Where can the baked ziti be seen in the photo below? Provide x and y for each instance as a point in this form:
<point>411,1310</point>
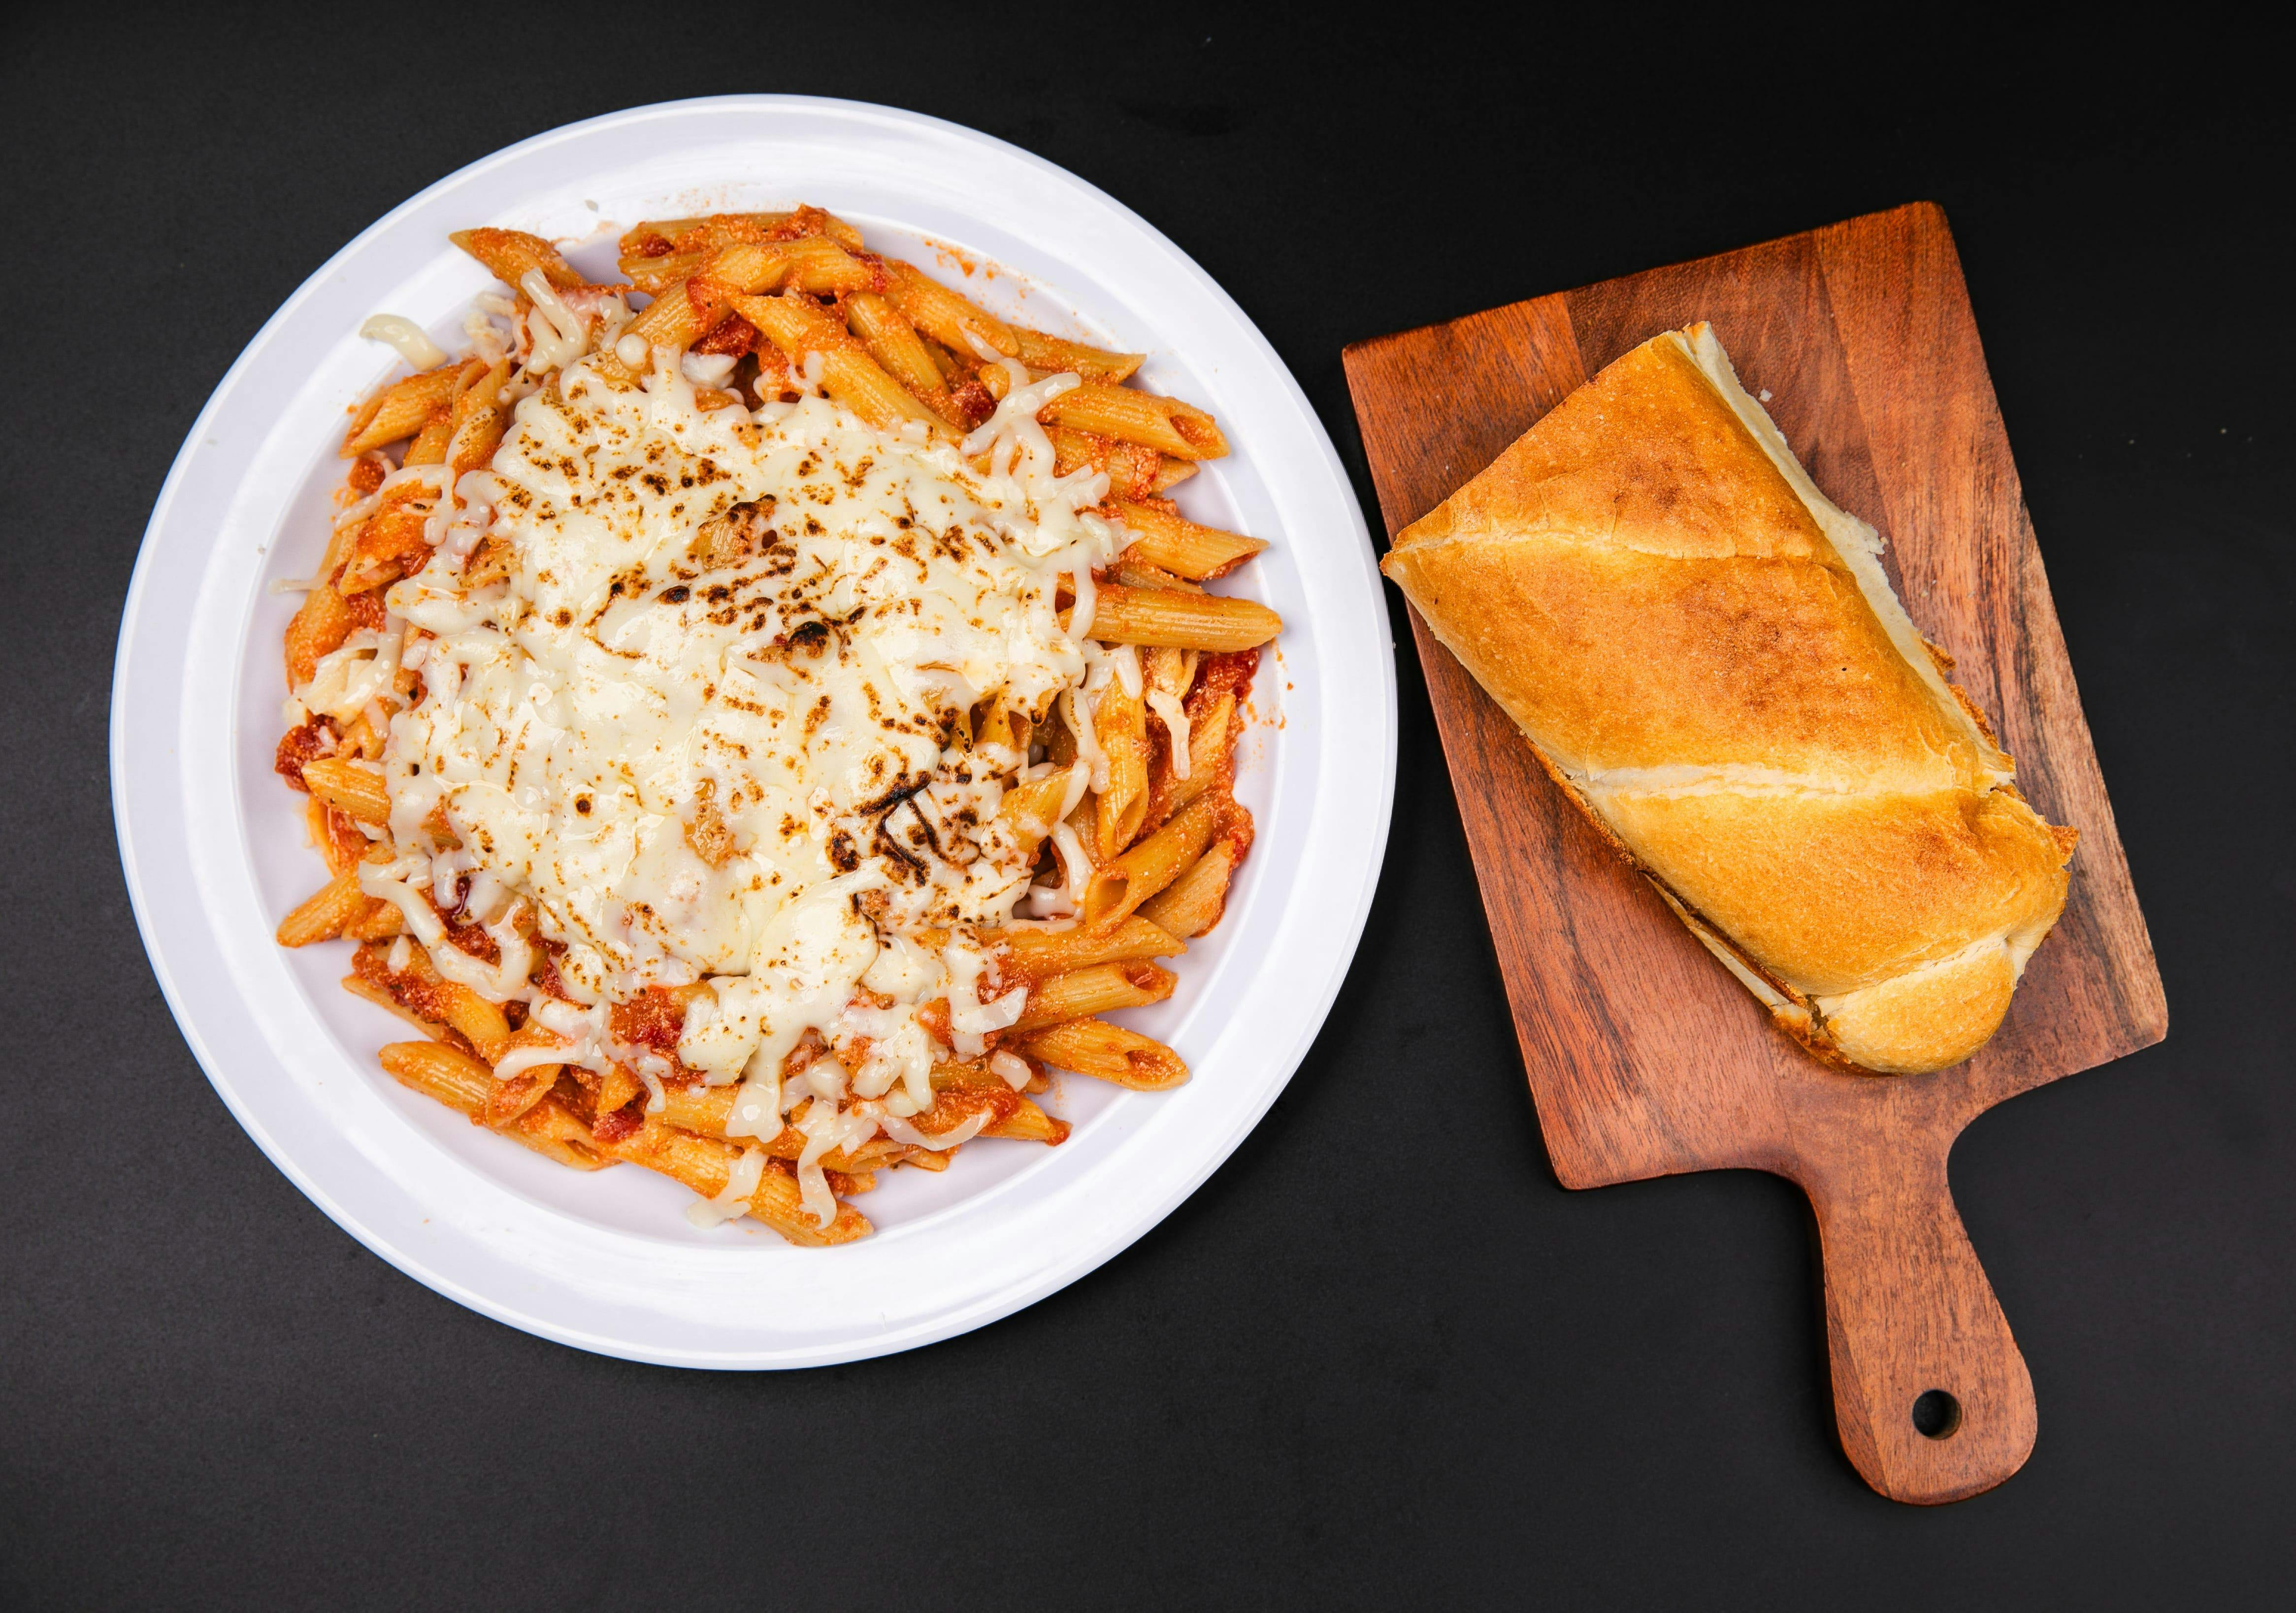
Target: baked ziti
<point>761,715</point>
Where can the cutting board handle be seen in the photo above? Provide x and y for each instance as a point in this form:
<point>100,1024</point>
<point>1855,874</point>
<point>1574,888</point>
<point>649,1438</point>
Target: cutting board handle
<point>1932,1396</point>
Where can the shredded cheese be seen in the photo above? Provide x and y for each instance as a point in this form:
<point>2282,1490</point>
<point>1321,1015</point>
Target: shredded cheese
<point>733,1198</point>
<point>701,732</point>
<point>1167,706</point>
<point>407,337</point>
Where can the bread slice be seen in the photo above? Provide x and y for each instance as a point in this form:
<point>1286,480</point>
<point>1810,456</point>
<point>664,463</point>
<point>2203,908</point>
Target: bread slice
<point>1707,656</point>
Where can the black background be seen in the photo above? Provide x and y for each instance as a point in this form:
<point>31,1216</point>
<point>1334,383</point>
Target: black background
<point>1381,1358</point>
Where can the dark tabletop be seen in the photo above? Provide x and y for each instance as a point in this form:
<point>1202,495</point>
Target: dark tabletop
<point>1380,1359</point>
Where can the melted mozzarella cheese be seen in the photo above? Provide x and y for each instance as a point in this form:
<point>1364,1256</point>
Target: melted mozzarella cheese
<point>408,338</point>
<point>711,728</point>
<point>1173,716</point>
<point>733,1198</point>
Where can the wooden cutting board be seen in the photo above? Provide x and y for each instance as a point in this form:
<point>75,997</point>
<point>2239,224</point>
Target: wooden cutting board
<point>1644,1057</point>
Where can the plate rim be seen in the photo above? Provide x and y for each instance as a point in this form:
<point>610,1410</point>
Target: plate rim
<point>134,633</point>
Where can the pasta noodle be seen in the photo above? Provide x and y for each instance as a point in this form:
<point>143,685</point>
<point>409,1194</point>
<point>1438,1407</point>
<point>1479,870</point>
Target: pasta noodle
<point>1164,540</point>
<point>1181,620</point>
<point>940,718</point>
<point>1109,1052</point>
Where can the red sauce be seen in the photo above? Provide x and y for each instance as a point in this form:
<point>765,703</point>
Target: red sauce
<point>973,402</point>
<point>467,936</point>
<point>547,977</point>
<point>653,1020</point>
<point>298,746</point>
<point>736,335</point>
<point>367,609</point>
<point>934,1017</point>
<point>426,999</point>
<point>1225,672</point>
<point>1236,829</point>
<point>623,1123</point>
<point>879,282</point>
<point>343,836</point>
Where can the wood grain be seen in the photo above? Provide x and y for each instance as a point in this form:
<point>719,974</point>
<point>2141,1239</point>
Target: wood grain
<point>1644,1057</point>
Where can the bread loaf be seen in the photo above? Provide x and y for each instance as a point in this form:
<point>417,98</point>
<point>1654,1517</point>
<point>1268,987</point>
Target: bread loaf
<point>1706,655</point>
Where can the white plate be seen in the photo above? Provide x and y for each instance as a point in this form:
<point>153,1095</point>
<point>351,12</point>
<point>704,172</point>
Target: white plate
<point>214,849</point>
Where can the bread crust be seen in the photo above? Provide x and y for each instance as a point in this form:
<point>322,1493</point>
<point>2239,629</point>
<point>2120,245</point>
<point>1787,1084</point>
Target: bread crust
<point>1704,653</point>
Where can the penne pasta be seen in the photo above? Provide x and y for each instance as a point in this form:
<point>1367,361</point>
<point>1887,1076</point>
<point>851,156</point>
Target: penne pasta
<point>1129,573</point>
<point>1169,543</point>
<point>322,916</point>
<point>699,1108</point>
<point>351,788</point>
<point>664,235</point>
<point>1026,1124</point>
<point>400,409</point>
<point>322,623</point>
<point>448,1075</point>
<point>528,1084</point>
<point>1211,744</point>
<point>429,445</point>
<point>679,317</point>
<point>479,420</point>
<point>554,1132</point>
<point>382,999</point>
<point>707,1110</point>
<point>1003,727</point>
<point>1084,835</point>
<point>510,255</point>
<point>417,986</point>
<point>894,343</point>
<point>392,538</point>
<point>1169,473</point>
<point>482,1023</point>
<point>1169,671</point>
<point>489,563</point>
<point>1116,888</point>
<point>515,1097</point>
<point>821,267</point>
<point>1060,742</point>
<point>382,922</point>
<point>1038,954</point>
<point>954,371</point>
<point>705,1165</point>
<point>1192,904</point>
<point>848,373</point>
<point>1166,424</point>
<point>964,1092</point>
<point>688,309</point>
<point>1119,721</point>
<point>1056,356</point>
<point>1097,988</point>
<point>1181,621</point>
<point>818,266</point>
<point>949,319</point>
<point>655,273</point>
<point>337,839</point>
<point>617,1089</point>
<point>1108,1053</point>
<point>363,737</point>
<point>1132,469</point>
<point>1033,808</point>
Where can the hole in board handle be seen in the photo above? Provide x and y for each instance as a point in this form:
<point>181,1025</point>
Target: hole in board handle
<point>1937,1414</point>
